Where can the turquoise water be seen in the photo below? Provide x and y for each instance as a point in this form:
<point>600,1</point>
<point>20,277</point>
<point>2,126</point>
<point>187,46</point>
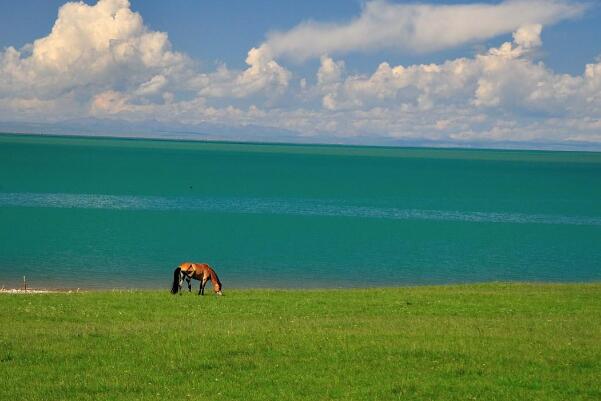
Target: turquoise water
<point>83,212</point>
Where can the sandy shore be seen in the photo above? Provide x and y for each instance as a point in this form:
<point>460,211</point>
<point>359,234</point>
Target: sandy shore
<point>33,291</point>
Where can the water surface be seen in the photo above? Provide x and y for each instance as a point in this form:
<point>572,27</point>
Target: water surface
<point>84,212</point>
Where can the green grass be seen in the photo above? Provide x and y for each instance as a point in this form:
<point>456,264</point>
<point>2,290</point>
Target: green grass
<point>473,342</point>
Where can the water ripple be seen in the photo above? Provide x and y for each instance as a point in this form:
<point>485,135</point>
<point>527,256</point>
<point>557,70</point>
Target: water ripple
<point>300,207</point>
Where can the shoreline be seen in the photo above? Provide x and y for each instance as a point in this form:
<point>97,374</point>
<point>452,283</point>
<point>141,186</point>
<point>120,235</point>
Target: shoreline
<point>77,290</point>
<point>31,291</point>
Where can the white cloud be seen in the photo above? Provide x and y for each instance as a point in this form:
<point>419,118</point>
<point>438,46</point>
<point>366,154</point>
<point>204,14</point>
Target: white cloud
<point>329,71</point>
<point>104,54</point>
<point>528,36</point>
<point>92,47</point>
<point>152,86</point>
<point>416,85</point>
<point>505,78</point>
<point>263,74</point>
<point>417,27</point>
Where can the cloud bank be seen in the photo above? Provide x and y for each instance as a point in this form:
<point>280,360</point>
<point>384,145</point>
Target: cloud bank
<point>102,61</point>
<point>499,95</point>
<point>105,54</point>
<point>417,27</point>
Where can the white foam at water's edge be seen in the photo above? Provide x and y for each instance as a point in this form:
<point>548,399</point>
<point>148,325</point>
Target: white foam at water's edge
<point>300,207</point>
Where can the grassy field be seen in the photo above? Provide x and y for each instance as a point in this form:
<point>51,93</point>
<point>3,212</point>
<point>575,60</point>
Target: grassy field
<point>473,342</point>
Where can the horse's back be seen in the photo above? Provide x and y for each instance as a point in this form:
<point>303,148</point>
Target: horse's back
<point>199,270</point>
<point>186,265</point>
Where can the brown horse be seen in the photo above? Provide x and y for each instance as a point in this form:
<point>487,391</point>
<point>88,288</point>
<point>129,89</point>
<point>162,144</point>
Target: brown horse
<point>198,271</point>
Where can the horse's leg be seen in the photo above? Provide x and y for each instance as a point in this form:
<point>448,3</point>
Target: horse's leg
<point>189,280</point>
<point>202,286</point>
<point>181,281</point>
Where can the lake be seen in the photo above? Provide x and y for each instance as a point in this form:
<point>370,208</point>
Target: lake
<point>119,213</point>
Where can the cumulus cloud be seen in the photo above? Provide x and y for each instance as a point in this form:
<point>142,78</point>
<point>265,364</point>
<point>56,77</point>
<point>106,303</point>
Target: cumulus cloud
<point>502,94</point>
<point>105,54</point>
<point>329,71</point>
<point>96,46</point>
<point>263,74</point>
<point>505,78</point>
<point>417,27</point>
<point>528,36</point>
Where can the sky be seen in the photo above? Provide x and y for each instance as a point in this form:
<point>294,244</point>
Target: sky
<point>513,73</point>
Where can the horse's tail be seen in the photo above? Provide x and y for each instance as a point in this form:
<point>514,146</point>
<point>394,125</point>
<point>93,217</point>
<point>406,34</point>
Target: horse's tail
<point>216,283</point>
<point>175,287</point>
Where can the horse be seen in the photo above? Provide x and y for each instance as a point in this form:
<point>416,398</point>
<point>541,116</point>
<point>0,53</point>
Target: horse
<point>198,271</point>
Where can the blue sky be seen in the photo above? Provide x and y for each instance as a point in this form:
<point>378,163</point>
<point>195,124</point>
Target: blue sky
<point>342,71</point>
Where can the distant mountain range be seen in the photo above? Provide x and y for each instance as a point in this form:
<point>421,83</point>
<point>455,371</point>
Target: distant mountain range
<point>150,129</point>
<point>251,133</point>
